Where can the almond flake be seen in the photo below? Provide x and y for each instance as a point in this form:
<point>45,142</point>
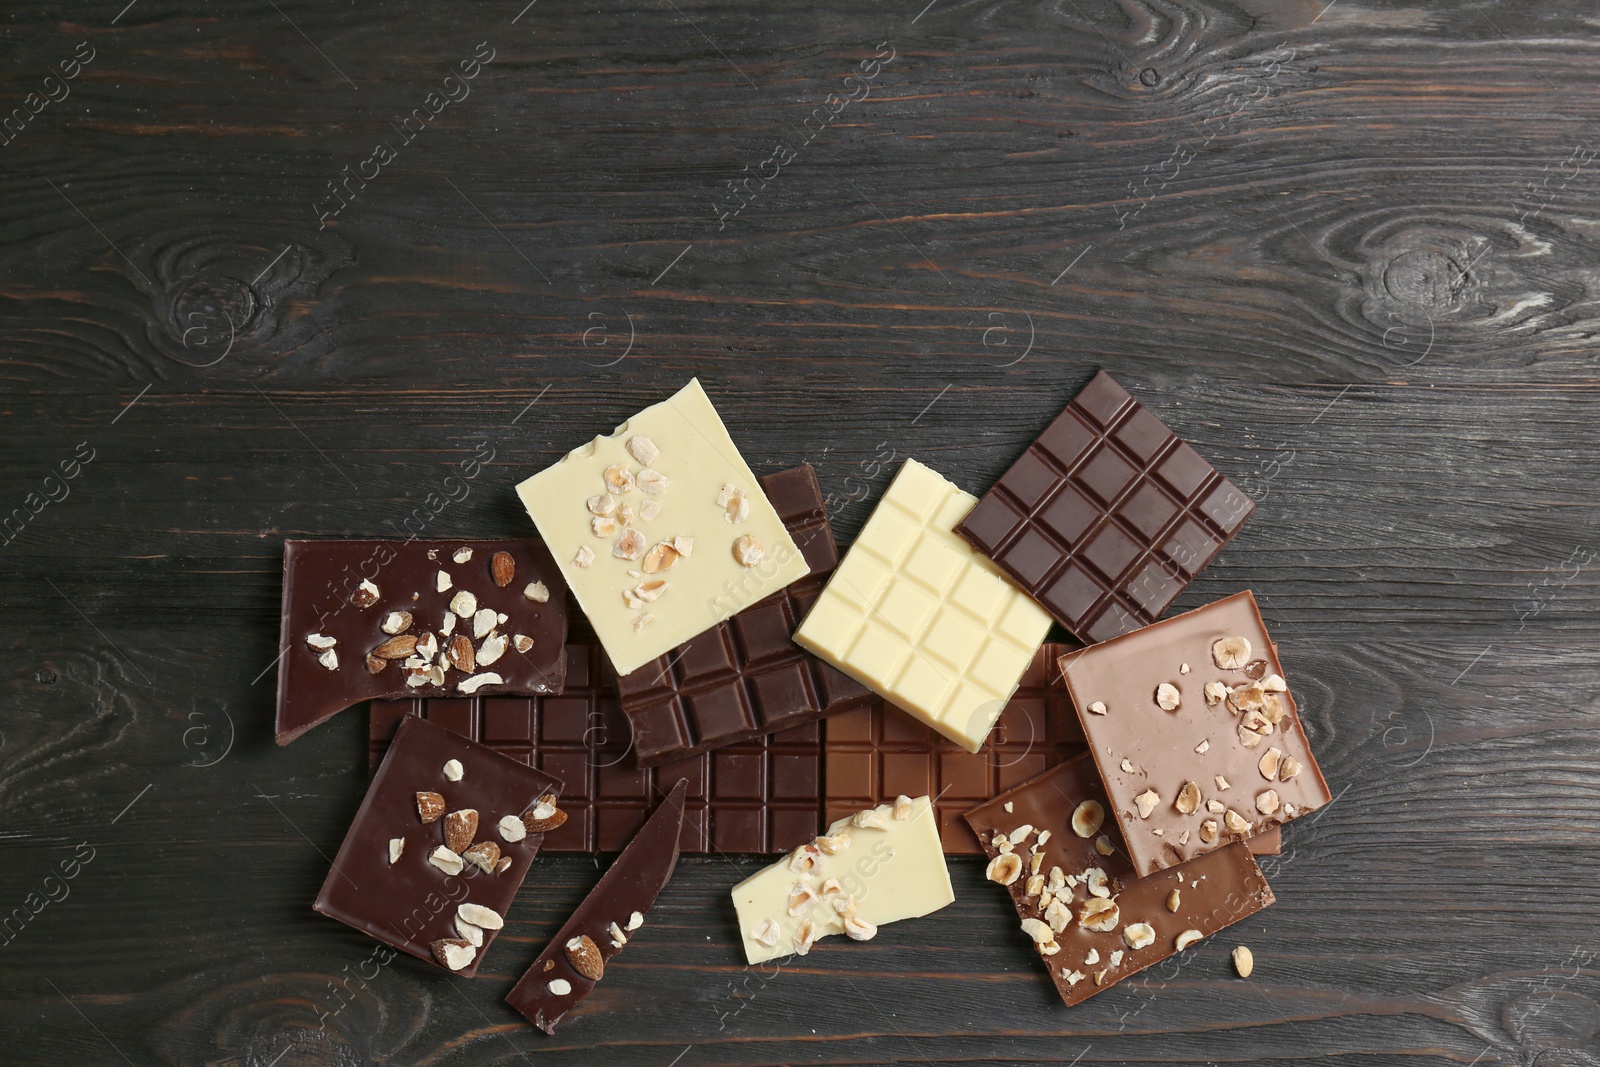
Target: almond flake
<point>1147,802</point>
<point>478,681</point>
<point>441,582</point>
<point>649,509</point>
<point>651,481</point>
<point>660,558</point>
<point>1235,822</point>
<point>462,554</point>
<point>472,934</point>
<point>1222,783</point>
<point>601,504</point>
<point>1208,831</point>
<point>1188,799</point>
<point>446,861</point>
<point>635,920</point>
<point>1173,899</point>
<point>1127,766</point>
<point>512,829</point>
<point>493,647</point>
<point>683,545</point>
<point>643,449</point>
<point>1288,768</point>
<point>483,621</point>
<point>454,953</point>
<point>1267,801</point>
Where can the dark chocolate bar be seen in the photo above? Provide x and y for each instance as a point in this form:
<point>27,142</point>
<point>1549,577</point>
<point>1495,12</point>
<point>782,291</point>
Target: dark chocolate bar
<point>403,894</point>
<point>609,917</point>
<point>1195,732</point>
<point>761,795</point>
<point>1084,909</point>
<point>1107,516</point>
<point>369,620</point>
<point>744,677</point>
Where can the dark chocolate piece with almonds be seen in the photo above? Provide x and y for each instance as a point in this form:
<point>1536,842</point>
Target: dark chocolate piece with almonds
<point>1107,516</point>
<point>745,677</point>
<point>613,913</point>
<point>1195,732</point>
<point>1084,909</point>
<point>394,877</point>
<point>365,620</point>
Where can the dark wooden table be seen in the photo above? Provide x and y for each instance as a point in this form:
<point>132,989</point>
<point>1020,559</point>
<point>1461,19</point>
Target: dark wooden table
<point>262,279</point>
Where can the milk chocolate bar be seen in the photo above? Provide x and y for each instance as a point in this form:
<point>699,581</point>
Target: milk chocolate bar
<point>1195,732</point>
<point>367,620</point>
<point>439,846</point>
<point>609,917</point>
<point>745,677</point>
<point>1107,516</point>
<point>1084,909</point>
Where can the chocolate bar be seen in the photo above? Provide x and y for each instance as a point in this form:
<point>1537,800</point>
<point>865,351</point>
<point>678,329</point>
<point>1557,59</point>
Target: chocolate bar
<point>878,753</point>
<point>419,873</point>
<point>1085,910</point>
<point>609,917</point>
<point>1195,732</point>
<point>661,529</point>
<point>744,677</point>
<point>367,620</point>
<point>762,795</point>
<point>921,618</point>
<point>1108,516</point>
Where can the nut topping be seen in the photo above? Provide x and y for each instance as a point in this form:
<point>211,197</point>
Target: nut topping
<point>486,854</point>
<point>642,449</point>
<point>483,621</point>
<point>1167,697</point>
<point>544,817</point>
<point>1288,768</point>
<point>1231,653</point>
<point>559,987</point>
<point>511,828</point>
<point>1203,747</point>
<point>660,558</point>
<point>858,929</point>
<point>537,592</point>
<point>1147,802</point>
<point>397,845</point>
<point>801,897</point>
<point>619,479</point>
<point>767,933</point>
<point>1099,914</point>
<point>584,955</point>
<point>1004,868</point>
<point>1172,900</point>
<point>1189,799</point>
<point>902,807</point>
<point>1058,915</point>
<point>493,647</point>
<point>446,861</point>
<point>1216,693</point>
<point>732,500</point>
<point>1097,707</point>
<point>748,551</point>
<point>461,654</point>
<point>1099,885</point>
<point>601,504</point>
<point>460,827</point>
<point>584,556</point>
<point>602,526</point>
<point>835,844</point>
<point>649,509</point>
<point>1268,763</point>
<point>651,481</point>
<point>1102,845</point>
<point>618,938</point>
<point>805,937</point>
<point>1208,831</point>
<point>1187,938</point>
<point>869,818</point>
<point>1235,822</point>
<point>522,642</point>
<point>329,659</point>
<point>1244,961</point>
<point>502,568</point>
<point>442,582</point>
<point>478,681</point>
<point>366,594</point>
<point>1267,801</point>
<point>629,546</point>
<point>376,664</point>
<point>454,952</point>
<point>480,916</point>
<point>635,920</point>
<point>464,604</point>
<point>1087,818</point>
<point>430,806</point>
<point>396,622</point>
<point>1139,935</point>
<point>321,642</point>
<point>1038,930</point>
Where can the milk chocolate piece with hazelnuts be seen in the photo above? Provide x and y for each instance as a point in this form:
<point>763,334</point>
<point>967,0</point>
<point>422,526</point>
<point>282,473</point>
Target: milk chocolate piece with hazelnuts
<point>401,895</point>
<point>367,620</point>
<point>745,677</point>
<point>1107,516</point>
<point>1085,911</point>
<point>1195,731</point>
<point>613,913</point>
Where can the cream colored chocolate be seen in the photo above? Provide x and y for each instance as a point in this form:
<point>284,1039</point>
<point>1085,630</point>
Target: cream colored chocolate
<point>867,870</point>
<point>917,615</point>
<point>666,498</point>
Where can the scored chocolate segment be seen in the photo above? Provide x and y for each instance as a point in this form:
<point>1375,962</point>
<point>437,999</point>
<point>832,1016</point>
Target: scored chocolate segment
<point>877,753</point>
<point>1108,516</point>
<point>1106,923</point>
<point>757,796</point>
<point>394,892</point>
<point>362,620</point>
<point>745,677</point>
<point>1223,758</point>
<point>612,915</point>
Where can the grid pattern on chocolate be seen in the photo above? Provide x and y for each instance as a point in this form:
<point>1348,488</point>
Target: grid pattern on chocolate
<point>745,677</point>
<point>757,796</point>
<point>878,753</point>
<point>926,621</point>
<point>1108,515</point>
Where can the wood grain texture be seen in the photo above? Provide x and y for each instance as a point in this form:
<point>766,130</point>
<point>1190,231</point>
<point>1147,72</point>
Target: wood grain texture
<point>1346,249</point>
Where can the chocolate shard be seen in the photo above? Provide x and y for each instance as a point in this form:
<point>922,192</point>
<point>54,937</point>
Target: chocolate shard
<point>411,902</point>
<point>1107,516</point>
<point>365,620</point>
<point>745,677</point>
<point>617,905</point>
<point>1107,923</point>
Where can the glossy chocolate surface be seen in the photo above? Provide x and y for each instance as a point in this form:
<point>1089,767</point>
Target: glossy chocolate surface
<point>1214,890</point>
<point>321,581</point>
<point>629,886</point>
<point>1107,516</point>
<point>411,903</point>
<point>744,677</point>
<point>1160,746</point>
<point>757,796</point>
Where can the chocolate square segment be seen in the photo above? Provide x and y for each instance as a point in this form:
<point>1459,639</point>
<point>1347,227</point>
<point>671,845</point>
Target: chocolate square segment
<point>759,795</point>
<point>744,677</point>
<point>1191,902</point>
<point>1106,495</point>
<point>1185,780</point>
<point>410,903</point>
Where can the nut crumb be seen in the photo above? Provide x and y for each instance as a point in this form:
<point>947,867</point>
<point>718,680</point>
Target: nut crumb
<point>441,582</point>
<point>1167,697</point>
<point>1203,747</point>
<point>1215,693</point>
<point>1147,802</point>
<point>748,551</point>
<point>462,554</point>
<point>1097,707</point>
<point>1188,801</point>
<point>1173,899</point>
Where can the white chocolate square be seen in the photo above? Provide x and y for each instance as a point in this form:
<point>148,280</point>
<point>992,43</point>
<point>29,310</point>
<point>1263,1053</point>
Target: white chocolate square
<point>698,458</point>
<point>923,619</point>
<point>893,874</point>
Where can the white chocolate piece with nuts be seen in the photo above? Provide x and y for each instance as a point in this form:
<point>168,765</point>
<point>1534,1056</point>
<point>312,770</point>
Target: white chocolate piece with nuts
<point>692,458</point>
<point>891,869</point>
